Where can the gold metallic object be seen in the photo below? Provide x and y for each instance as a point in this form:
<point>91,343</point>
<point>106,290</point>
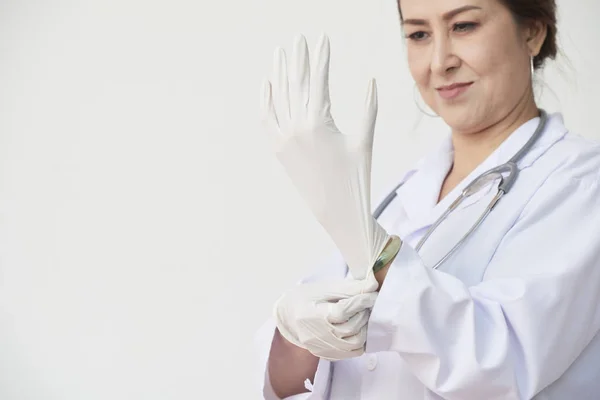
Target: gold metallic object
<point>390,251</point>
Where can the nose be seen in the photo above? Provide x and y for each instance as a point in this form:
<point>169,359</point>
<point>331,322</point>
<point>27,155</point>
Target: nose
<point>443,59</point>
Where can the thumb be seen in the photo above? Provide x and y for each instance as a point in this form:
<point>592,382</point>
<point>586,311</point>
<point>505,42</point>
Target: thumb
<point>370,113</point>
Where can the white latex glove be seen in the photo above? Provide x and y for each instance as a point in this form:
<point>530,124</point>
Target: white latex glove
<point>331,170</point>
<point>329,319</point>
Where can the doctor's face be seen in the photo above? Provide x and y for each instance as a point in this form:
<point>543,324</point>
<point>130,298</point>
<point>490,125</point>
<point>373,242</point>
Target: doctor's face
<point>469,59</point>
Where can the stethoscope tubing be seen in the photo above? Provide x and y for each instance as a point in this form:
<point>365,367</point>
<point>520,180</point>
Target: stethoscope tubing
<point>506,183</point>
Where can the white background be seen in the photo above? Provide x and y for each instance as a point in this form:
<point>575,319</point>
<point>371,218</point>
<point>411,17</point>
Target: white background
<point>145,227</point>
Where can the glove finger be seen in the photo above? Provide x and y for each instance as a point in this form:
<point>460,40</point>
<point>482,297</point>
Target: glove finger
<point>346,288</point>
<point>345,309</point>
<point>370,115</point>
<point>333,341</point>
<point>356,304</point>
<point>336,355</point>
<point>319,102</point>
<point>281,94</point>
<point>320,337</point>
<point>354,342</point>
<point>268,114</point>
<point>299,79</point>
<point>352,326</point>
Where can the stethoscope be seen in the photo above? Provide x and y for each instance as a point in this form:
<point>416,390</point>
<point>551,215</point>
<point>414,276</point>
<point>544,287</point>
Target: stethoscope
<point>505,184</point>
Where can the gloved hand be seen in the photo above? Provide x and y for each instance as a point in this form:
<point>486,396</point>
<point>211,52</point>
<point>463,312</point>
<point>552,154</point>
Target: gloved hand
<point>329,319</point>
<point>331,170</point>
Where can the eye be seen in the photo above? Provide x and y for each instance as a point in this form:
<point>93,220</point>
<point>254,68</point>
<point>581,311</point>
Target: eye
<point>464,26</point>
<point>417,36</point>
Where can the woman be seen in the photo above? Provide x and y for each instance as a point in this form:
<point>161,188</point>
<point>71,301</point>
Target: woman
<point>513,312</point>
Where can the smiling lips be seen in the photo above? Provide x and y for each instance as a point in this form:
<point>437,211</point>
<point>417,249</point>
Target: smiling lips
<point>454,90</point>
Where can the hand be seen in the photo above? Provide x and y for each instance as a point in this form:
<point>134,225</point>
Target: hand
<point>331,170</point>
<point>329,319</point>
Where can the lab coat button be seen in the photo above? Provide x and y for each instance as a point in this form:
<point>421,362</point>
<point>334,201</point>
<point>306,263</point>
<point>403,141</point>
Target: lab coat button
<point>371,362</point>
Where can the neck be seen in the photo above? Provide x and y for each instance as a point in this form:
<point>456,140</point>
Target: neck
<point>471,149</point>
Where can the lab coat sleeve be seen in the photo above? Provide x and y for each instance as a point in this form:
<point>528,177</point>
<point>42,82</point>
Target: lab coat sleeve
<point>521,328</point>
<point>333,268</point>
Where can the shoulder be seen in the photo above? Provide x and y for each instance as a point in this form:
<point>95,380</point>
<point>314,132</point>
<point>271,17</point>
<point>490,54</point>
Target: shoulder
<point>565,156</point>
<point>577,159</point>
<point>568,179</point>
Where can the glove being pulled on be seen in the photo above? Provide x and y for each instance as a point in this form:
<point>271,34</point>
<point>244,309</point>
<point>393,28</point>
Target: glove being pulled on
<point>331,170</point>
<point>329,319</point>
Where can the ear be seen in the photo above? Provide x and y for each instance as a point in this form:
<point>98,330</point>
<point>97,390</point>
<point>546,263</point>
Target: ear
<point>535,35</point>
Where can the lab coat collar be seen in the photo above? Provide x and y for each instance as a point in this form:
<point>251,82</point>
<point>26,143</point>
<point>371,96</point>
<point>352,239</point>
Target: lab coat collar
<point>420,193</point>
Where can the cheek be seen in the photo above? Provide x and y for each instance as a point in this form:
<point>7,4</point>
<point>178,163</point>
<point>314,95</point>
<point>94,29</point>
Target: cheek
<point>495,62</point>
<point>485,55</point>
<point>420,71</point>
<point>502,75</point>
<point>418,66</point>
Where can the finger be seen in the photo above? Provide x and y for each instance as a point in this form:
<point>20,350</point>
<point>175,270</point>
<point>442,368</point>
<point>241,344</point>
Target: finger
<point>319,102</point>
<point>281,96</point>
<point>335,291</point>
<point>370,114</point>
<point>353,342</point>
<point>268,114</point>
<point>334,348</point>
<point>352,326</point>
<point>335,342</point>
<point>335,355</point>
<point>299,78</point>
<point>358,303</point>
<point>345,309</point>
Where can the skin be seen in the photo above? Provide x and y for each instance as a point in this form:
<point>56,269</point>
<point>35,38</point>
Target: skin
<point>483,46</point>
<point>477,42</point>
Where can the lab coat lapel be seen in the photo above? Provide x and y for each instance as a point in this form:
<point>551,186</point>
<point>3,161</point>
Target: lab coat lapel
<point>419,194</point>
<point>501,155</point>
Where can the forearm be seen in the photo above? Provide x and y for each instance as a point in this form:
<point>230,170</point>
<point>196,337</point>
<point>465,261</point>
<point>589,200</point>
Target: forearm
<point>289,366</point>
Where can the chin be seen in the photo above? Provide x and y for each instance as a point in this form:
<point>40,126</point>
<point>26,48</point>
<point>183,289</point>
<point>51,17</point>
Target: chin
<point>459,119</point>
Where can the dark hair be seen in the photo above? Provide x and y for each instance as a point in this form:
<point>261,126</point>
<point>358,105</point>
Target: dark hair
<point>524,11</point>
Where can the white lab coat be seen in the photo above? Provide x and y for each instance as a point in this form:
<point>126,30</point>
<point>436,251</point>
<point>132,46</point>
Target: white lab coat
<point>513,314</point>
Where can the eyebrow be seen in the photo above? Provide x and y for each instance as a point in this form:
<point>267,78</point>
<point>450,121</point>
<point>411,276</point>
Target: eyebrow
<point>447,16</point>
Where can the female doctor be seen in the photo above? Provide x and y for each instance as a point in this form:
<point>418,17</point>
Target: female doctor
<point>471,285</point>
